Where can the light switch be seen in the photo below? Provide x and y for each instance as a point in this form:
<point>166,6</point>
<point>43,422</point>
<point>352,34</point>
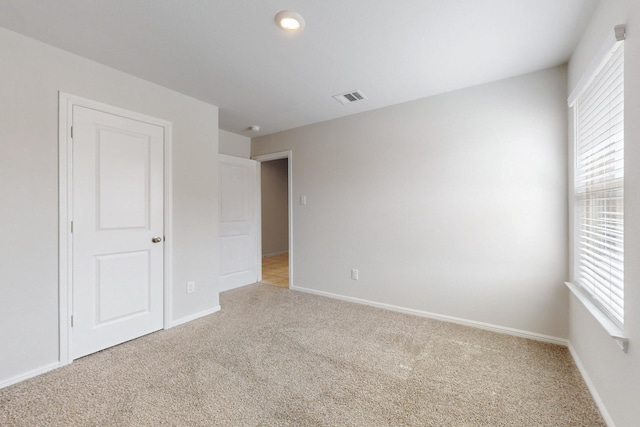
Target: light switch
<point>303,200</point>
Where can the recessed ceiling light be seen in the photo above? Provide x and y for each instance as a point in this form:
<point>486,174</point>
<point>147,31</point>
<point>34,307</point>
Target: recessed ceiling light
<point>254,128</point>
<point>289,20</point>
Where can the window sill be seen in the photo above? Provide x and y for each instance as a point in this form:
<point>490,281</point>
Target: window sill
<point>612,329</point>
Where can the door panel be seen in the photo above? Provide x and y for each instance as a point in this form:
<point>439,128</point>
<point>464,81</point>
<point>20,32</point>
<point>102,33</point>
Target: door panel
<point>238,222</point>
<point>235,177</point>
<point>118,283</point>
<point>117,275</point>
<point>235,254</point>
<point>123,178</point>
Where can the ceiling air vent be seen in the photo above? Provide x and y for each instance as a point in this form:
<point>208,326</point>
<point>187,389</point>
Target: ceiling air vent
<point>349,97</point>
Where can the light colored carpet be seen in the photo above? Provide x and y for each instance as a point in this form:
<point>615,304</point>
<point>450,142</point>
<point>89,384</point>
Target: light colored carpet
<point>276,357</point>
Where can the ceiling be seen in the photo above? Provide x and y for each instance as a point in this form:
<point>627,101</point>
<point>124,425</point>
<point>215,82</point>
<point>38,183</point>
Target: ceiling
<point>231,54</point>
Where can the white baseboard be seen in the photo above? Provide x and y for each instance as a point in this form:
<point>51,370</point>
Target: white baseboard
<point>592,388</point>
<point>194,316</point>
<point>465,322</point>
<point>30,374</point>
<point>274,254</point>
<point>229,288</point>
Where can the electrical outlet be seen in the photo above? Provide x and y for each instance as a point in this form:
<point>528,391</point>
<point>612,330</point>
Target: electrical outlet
<point>354,274</point>
<point>191,287</point>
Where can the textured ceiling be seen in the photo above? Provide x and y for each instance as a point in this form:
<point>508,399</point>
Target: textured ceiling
<point>230,52</point>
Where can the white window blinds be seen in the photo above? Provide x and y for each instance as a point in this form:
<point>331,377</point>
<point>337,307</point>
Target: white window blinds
<point>599,186</point>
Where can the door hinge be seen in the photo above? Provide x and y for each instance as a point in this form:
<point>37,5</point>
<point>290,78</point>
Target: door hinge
<point>71,132</point>
<point>72,320</point>
<point>72,226</point>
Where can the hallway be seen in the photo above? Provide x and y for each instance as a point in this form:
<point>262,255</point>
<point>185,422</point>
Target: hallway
<point>275,270</point>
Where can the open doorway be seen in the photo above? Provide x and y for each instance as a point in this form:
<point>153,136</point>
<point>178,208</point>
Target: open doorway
<point>275,219</point>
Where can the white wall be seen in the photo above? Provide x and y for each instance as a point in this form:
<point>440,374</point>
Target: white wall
<point>275,206</point>
<point>453,204</point>
<point>614,375</point>
<point>32,73</point>
<point>233,144</point>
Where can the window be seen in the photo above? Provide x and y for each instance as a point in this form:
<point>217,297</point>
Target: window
<point>599,186</point>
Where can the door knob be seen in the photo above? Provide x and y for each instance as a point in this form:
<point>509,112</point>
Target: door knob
<point>156,239</point>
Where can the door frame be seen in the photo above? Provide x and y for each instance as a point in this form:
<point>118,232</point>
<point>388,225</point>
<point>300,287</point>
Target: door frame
<point>65,205</point>
<point>265,158</point>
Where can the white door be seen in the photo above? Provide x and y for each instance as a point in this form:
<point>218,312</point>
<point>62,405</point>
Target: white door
<point>238,222</point>
<point>117,229</point>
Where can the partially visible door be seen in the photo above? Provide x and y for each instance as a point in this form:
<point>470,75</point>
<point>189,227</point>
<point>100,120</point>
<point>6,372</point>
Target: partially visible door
<point>118,227</point>
<point>238,222</point>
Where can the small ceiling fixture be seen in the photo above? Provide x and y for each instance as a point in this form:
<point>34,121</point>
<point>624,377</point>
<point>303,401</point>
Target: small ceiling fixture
<point>254,128</point>
<point>289,20</point>
<point>349,97</point>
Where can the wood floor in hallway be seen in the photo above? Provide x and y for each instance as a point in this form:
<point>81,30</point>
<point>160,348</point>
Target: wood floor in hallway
<point>275,270</point>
